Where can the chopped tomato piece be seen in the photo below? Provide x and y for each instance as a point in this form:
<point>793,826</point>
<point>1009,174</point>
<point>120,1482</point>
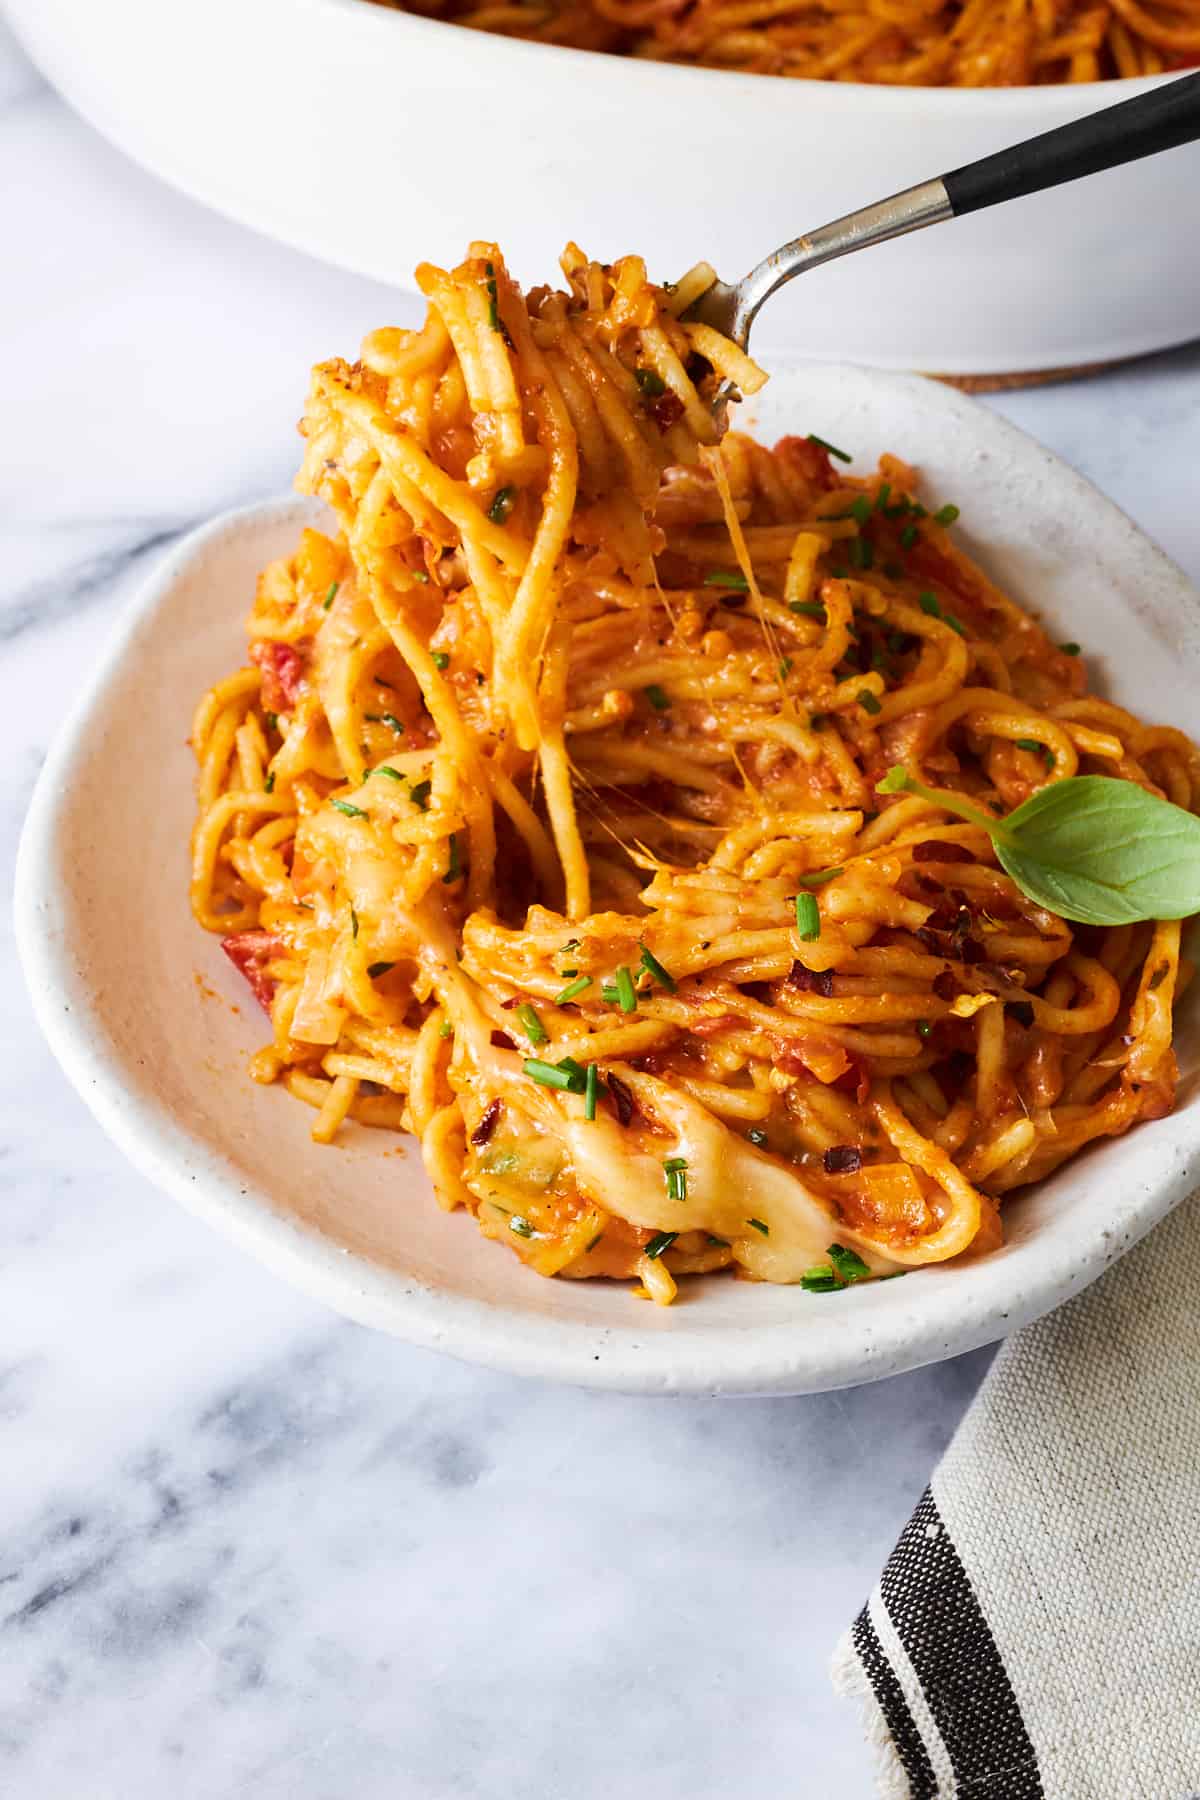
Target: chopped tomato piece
<point>282,672</point>
<point>250,952</point>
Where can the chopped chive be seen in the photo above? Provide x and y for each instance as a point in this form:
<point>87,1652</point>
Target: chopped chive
<point>626,996</point>
<point>923,1028</point>
<point>908,537</point>
<point>445,1029</point>
<point>929,603</point>
<point>327,602</point>
<point>820,1279</point>
<point>883,496</point>
<point>655,969</point>
<point>387,769</point>
<point>493,309</point>
<point>351,812</point>
<point>838,572</point>
<point>658,699</point>
<point>861,509</point>
<point>662,1240</point>
<point>1070,649</point>
<point>380,968</point>
<point>386,719</point>
<point>785,668</point>
<point>590,1247</point>
<point>808,918</point>
<point>723,1243</point>
<point>572,989</point>
<point>608,992</point>
<point>441,660</point>
<point>454,866</point>
<point>862,553</point>
<point>380,682</point>
<point>502,505</point>
<point>954,624</point>
<point>567,1076</point>
<point>819,877</point>
<point>727,578</point>
<point>535,1031</point>
<point>419,793</point>
<point>1030,744</point>
<point>353,923</point>
<point>675,1170</point>
<point>759,1226</point>
<point>675,1162</point>
<point>421,575</point>
<point>868,701</point>
<point>650,382</point>
<point>521,1226</point>
<point>273,718</point>
<point>758,1137</point>
<point>269,783</point>
<point>945,515</point>
<point>809,609</point>
<point>824,444</point>
<point>847,1263</point>
<point>591,1091</point>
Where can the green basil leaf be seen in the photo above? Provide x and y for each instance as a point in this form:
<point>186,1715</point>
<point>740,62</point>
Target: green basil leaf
<point>1093,848</point>
<point>1102,851</point>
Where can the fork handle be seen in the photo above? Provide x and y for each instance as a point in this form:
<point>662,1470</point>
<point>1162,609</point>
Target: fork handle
<point>1159,120</point>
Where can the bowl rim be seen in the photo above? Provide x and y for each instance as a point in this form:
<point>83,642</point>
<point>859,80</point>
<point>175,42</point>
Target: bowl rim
<point>733,1358</point>
<point>763,90</point>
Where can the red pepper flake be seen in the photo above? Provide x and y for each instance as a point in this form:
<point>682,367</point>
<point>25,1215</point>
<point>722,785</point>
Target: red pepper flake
<point>667,411</point>
<point>513,1000</point>
<point>811,981</point>
<point>938,850</point>
<point>621,1095</point>
<point>488,1123</point>
<point>502,1041</point>
<point>250,952</point>
<point>843,1159</point>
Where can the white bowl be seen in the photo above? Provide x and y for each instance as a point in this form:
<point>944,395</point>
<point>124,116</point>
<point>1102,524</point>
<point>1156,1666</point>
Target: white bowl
<point>123,979</point>
<point>374,138</point>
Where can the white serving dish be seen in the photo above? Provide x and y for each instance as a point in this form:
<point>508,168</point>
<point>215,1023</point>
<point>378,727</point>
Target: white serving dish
<point>113,958</point>
<point>373,138</point>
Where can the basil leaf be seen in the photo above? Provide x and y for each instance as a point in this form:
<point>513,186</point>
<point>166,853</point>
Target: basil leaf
<point>1103,851</point>
<point>1093,848</point>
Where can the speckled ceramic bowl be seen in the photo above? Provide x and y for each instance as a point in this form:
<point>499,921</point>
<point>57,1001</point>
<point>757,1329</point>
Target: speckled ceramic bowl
<point>154,1029</point>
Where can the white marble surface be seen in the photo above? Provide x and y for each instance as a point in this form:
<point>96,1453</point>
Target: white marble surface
<point>246,1548</point>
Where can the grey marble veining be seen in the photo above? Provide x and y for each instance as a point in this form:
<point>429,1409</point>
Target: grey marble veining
<point>246,1548</point>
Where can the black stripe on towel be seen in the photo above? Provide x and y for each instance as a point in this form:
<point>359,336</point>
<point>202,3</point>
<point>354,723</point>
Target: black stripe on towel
<point>937,1617</point>
<point>894,1707</point>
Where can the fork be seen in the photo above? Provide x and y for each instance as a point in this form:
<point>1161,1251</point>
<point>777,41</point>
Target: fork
<point>1165,117</point>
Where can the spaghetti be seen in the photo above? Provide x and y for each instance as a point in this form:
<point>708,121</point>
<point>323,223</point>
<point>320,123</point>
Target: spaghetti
<point>544,818</point>
<point>913,43</point>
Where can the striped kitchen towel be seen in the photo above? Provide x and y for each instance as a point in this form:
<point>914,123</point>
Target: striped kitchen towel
<point>1036,1632</point>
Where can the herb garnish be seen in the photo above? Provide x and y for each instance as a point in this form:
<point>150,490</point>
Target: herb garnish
<point>760,1227</point>
<point>353,923</point>
<point>662,1240</point>
<point>535,1031</point>
<point>419,793</point>
<point>440,659</point>
<point>757,1137</point>
<point>573,989</point>
<point>380,968</point>
<point>502,505</point>
<point>659,699</point>
<point>591,1090</point>
<point>454,866</point>
<point>727,578</point>
<point>351,811</point>
<point>808,918</point>
<point>327,602</point>
<point>568,1075</point>
<point>655,969</point>
<point>824,444</point>
<point>868,701</point>
<point>1092,848</point>
<point>626,994</point>
<point>650,382</point>
<point>675,1170</point>
<point>819,877</point>
<point>808,609</point>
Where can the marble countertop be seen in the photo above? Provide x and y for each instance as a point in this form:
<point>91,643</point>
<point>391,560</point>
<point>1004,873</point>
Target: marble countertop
<point>246,1548</point>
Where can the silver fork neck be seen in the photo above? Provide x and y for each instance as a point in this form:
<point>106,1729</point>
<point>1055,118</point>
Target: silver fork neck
<point>927,204</point>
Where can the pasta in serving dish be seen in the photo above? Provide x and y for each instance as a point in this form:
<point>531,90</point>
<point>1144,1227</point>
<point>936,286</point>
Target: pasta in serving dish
<point>545,819</point>
<point>911,43</point>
